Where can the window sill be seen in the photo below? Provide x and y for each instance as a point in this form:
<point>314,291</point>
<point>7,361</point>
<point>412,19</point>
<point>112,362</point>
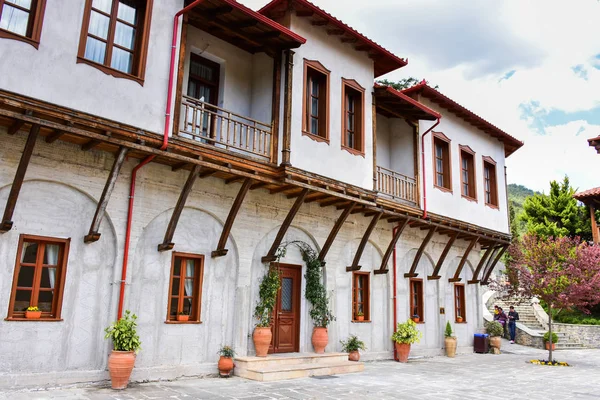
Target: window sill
<point>353,151</point>
<point>495,207</point>
<point>443,189</point>
<point>462,322</point>
<point>42,319</point>
<point>15,36</point>
<point>361,322</point>
<point>183,322</point>
<point>110,71</point>
<point>473,199</point>
<point>314,137</point>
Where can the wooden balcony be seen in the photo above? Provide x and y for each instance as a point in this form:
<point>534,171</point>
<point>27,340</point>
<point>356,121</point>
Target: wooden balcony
<point>396,185</point>
<point>212,125</point>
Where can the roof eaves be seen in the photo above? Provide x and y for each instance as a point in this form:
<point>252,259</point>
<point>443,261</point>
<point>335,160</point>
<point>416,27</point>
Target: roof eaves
<point>410,100</point>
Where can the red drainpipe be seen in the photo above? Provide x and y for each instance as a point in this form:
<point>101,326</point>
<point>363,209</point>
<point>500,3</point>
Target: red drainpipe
<point>150,158</point>
<point>423,168</point>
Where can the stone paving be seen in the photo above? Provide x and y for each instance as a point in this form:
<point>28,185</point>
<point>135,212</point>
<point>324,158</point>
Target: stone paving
<point>470,376</point>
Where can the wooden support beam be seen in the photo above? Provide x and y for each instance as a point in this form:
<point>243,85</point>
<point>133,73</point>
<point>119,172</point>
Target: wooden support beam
<point>295,193</point>
<point>235,208</point>
<point>438,267</point>
<point>281,189</point>
<point>11,202</point>
<point>14,128</point>
<point>258,185</point>
<point>490,250</point>
<point>363,243</point>
<point>332,202</point>
<point>335,230</point>
<point>244,24</point>
<point>490,267</point>
<point>270,257</point>
<point>167,243</point>
<point>413,268</point>
<point>275,107</point>
<point>316,197</point>
<point>359,210</point>
<point>90,144</point>
<point>234,179</point>
<point>206,173</point>
<point>463,260</point>
<point>383,269</point>
<point>54,136</point>
<point>178,166</point>
<point>94,234</point>
<point>218,11</point>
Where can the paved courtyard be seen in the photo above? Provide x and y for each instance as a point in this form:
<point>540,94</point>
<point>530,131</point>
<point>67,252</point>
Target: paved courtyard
<point>471,376</point>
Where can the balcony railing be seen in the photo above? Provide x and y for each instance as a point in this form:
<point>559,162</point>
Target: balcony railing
<point>222,128</point>
<point>396,185</point>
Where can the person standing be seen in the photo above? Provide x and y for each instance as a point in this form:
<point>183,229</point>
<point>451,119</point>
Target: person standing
<point>513,317</point>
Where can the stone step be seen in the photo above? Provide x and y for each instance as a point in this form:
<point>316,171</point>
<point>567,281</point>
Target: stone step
<point>568,345</point>
<point>277,372</point>
<point>289,359</point>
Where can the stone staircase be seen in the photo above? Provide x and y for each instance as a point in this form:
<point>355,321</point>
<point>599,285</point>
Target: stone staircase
<point>276,367</point>
<point>527,317</point>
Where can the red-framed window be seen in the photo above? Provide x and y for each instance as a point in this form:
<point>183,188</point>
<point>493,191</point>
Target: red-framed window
<point>361,294</point>
<point>459,303</point>
<point>416,299</point>
<point>185,287</point>
<point>22,20</point>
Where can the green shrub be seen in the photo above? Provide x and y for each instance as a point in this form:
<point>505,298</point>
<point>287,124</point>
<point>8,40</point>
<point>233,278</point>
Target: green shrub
<point>494,328</point>
<point>226,351</point>
<point>267,292</point>
<point>407,333</point>
<point>352,344</point>
<point>554,337</point>
<point>123,333</point>
<point>448,331</point>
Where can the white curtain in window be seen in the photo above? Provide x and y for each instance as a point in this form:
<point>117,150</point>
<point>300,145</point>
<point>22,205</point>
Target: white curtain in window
<point>26,245</point>
<point>189,272</point>
<point>52,259</point>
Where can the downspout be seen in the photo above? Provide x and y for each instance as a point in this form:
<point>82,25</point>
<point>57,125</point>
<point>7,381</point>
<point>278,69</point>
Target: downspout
<point>150,158</point>
<point>395,297</point>
<point>423,166</point>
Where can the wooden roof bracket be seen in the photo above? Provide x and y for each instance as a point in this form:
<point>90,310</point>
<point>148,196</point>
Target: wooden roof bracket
<point>167,243</point>
<point>94,233</point>
<point>335,230</point>
<point>270,257</point>
<point>436,271</point>
<point>490,268</point>
<point>390,249</point>
<point>482,262</point>
<point>11,202</point>
<point>235,208</point>
<point>463,260</point>
<point>363,243</point>
<point>413,268</point>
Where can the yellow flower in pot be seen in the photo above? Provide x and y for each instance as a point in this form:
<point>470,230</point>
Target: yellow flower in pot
<point>406,334</point>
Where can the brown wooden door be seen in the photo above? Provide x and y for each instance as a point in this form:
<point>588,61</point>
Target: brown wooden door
<point>286,318</point>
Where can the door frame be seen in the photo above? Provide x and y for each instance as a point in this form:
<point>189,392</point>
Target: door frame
<point>298,297</point>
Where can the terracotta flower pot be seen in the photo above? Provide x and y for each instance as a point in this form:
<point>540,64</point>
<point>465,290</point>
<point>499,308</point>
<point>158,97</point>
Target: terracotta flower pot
<point>416,319</point>
<point>450,344</point>
<point>496,341</point>
<point>225,366</point>
<point>120,365</point>
<point>402,349</point>
<point>548,346</point>
<point>262,340</point>
<point>320,338</point>
<point>183,318</point>
<point>33,314</point>
<point>354,356</point>
<point>360,317</point>
<point>459,319</point>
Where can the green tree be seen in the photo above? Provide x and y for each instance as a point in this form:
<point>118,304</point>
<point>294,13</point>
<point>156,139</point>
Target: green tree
<point>403,83</point>
<point>514,224</point>
<point>556,214</point>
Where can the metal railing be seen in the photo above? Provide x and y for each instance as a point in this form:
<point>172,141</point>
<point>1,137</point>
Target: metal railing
<point>209,124</point>
<point>396,185</point>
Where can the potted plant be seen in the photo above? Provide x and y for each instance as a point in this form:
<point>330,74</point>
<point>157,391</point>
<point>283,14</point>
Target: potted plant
<point>406,334</point>
<point>126,343</point>
<point>226,361</point>
<point>459,320</point>
<point>495,330</point>
<point>416,318</point>
<point>33,313</point>
<point>183,317</point>
<point>351,346</point>
<point>547,340</point>
<point>264,309</point>
<point>449,341</point>
<point>360,316</point>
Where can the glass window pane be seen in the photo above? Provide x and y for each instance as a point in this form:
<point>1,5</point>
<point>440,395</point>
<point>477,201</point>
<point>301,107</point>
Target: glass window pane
<point>440,180</point>
<point>315,88</point>
<point>439,165</point>
<point>175,287</point>
<point>128,11</point>
<point>125,36</point>
<point>95,50</point>
<point>102,5</point>
<point>314,110</point>
<point>25,278</point>
<point>173,310</point>
<point>14,20</point>
<point>51,254</point>
<point>21,3</point>
<point>187,306</point>
<point>191,91</point>
<point>439,152</point>
<point>190,268</point>
<point>45,300</point>
<point>99,25</point>
<point>314,126</point>
<point>287,286</point>
<point>177,266</point>
<point>29,252</point>
<point>350,123</point>
<point>22,300</point>
<point>122,60</point>
<point>48,278</point>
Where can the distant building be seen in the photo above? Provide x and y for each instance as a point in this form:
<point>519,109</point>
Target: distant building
<point>591,198</point>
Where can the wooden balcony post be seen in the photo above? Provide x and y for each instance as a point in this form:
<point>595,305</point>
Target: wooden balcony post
<point>287,107</point>
<point>595,230</point>
<point>180,73</point>
<point>276,107</point>
<point>374,118</point>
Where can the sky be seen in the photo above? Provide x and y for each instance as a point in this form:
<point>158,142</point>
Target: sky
<point>530,67</point>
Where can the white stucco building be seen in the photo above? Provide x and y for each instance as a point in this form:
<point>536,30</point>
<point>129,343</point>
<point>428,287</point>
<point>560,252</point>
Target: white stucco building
<point>162,182</point>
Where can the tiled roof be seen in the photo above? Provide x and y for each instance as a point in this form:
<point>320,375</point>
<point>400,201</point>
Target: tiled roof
<point>404,103</point>
<point>511,144</point>
<point>595,192</point>
<point>383,59</point>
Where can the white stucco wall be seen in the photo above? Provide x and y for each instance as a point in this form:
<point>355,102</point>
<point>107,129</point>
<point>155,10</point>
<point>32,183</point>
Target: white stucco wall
<point>453,204</point>
<point>344,62</point>
<point>65,209</point>
<point>395,145</point>
<point>51,73</point>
